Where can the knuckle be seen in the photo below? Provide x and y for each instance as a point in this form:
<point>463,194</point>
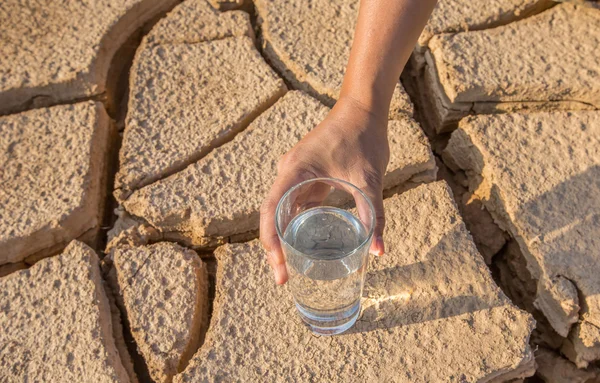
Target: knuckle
<point>368,178</point>
<point>372,178</point>
<point>380,220</point>
<point>266,241</point>
<point>267,206</point>
<point>287,160</point>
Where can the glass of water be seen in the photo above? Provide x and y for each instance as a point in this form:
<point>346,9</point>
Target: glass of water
<point>325,226</point>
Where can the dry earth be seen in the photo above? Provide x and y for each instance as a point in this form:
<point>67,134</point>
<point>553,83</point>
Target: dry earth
<point>53,165</point>
<point>216,92</point>
<point>451,16</point>
<point>185,100</point>
<point>550,204</point>
<point>431,291</point>
<point>55,322</point>
<point>163,288</point>
<point>290,32</point>
<point>220,195</point>
<point>55,54</point>
<point>542,63</point>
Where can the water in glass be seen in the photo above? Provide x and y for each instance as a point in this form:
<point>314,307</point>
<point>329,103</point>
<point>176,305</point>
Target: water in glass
<point>327,262</point>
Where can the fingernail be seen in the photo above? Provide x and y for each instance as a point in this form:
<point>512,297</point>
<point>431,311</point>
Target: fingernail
<point>379,246</point>
<point>280,274</point>
<point>375,249</point>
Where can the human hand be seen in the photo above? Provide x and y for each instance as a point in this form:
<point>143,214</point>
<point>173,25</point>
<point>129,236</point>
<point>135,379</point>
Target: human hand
<point>349,144</point>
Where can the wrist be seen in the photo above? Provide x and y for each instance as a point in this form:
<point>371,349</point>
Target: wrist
<point>370,113</point>
<point>376,106</point>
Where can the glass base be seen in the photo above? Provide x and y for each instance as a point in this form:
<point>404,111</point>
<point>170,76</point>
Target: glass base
<point>330,323</point>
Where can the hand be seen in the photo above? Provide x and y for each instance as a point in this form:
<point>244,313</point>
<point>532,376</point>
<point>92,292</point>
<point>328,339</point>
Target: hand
<point>350,144</point>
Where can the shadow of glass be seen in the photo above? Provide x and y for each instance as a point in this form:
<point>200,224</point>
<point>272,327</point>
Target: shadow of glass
<point>447,282</point>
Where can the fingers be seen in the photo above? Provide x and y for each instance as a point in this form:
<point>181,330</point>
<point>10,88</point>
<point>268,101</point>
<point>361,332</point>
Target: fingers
<point>268,231</point>
<point>312,195</point>
<point>375,194</point>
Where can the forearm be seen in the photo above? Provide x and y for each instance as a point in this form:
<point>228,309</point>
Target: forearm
<point>386,33</point>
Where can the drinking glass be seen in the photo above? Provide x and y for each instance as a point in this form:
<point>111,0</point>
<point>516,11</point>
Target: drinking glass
<point>325,226</point>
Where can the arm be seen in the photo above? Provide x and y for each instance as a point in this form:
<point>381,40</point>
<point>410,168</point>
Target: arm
<point>351,143</point>
<point>386,33</point>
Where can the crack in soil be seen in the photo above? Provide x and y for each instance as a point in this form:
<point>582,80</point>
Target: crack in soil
<point>115,100</point>
<point>117,107</point>
<point>116,103</point>
<point>33,103</point>
<point>519,287</point>
<point>287,75</point>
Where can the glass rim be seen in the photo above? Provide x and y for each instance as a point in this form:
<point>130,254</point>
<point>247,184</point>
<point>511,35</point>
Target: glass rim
<point>322,179</point>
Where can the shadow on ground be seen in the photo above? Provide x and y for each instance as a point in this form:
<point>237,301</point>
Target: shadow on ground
<point>567,222</point>
<point>437,287</point>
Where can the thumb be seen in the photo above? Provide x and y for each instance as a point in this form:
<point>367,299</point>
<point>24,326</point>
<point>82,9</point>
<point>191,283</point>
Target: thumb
<point>375,194</point>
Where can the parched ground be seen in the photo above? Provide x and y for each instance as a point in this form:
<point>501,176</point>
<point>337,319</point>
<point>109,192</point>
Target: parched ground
<point>138,139</point>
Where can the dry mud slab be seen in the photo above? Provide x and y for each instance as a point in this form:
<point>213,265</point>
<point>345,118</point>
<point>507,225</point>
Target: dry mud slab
<point>163,289</point>
<point>542,63</point>
<point>309,43</point>
<point>52,54</point>
<point>219,196</point>
<point>51,178</point>
<point>450,16</point>
<point>432,312</point>
<point>55,323</point>
<point>488,237</point>
<point>195,21</point>
<point>185,100</point>
<point>539,176</point>
<point>553,368</point>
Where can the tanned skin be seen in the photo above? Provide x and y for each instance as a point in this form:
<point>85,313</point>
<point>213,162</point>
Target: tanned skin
<point>351,142</point>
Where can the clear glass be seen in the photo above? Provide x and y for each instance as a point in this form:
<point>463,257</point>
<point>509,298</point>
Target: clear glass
<point>325,226</point>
